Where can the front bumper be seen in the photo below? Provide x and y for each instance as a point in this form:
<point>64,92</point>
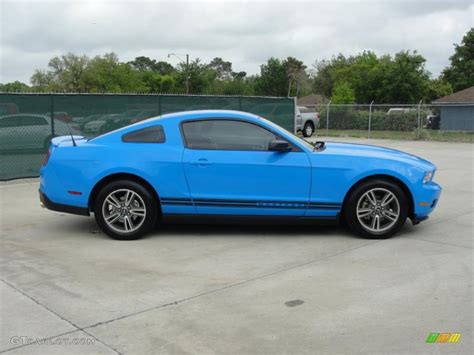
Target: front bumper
<point>50,205</point>
<point>425,200</point>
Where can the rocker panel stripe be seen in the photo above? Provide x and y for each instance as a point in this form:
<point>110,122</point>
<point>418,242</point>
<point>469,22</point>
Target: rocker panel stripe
<point>250,203</point>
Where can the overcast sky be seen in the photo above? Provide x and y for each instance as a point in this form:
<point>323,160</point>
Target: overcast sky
<point>246,33</point>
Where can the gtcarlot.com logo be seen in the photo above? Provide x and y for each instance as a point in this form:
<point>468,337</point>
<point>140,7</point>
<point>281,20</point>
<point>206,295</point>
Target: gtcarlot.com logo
<point>443,338</point>
<point>25,340</point>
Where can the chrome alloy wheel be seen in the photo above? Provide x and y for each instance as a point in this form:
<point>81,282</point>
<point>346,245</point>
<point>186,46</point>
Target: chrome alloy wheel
<point>378,210</point>
<point>124,211</point>
<point>309,130</point>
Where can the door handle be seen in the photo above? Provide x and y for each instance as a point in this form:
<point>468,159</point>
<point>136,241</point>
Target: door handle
<point>201,162</point>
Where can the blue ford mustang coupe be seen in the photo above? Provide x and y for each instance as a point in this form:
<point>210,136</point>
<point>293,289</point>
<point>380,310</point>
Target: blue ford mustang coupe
<point>232,165</point>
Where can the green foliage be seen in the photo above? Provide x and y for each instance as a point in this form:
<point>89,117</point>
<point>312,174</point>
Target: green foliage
<point>460,74</point>
<point>437,88</point>
<point>282,78</point>
<point>146,64</point>
<point>15,86</point>
<point>273,80</point>
<point>107,74</point>
<point>362,78</point>
<point>222,70</point>
<point>297,76</point>
<point>65,73</point>
<point>343,93</point>
<point>349,118</point>
<point>401,78</point>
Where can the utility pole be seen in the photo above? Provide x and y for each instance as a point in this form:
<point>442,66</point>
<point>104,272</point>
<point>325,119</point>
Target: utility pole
<point>187,74</point>
<point>186,70</point>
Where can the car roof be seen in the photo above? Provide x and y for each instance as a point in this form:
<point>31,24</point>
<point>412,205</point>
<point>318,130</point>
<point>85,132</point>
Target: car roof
<point>181,116</point>
<point>25,114</point>
<point>206,113</point>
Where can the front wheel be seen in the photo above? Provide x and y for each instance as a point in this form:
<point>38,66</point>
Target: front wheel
<point>125,210</point>
<point>376,209</point>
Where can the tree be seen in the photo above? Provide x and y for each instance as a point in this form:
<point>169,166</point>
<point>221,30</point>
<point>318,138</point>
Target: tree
<point>295,71</point>
<point>343,93</point>
<point>157,83</point>
<point>461,70</point>
<point>386,79</point>
<point>406,79</point>
<point>437,88</point>
<point>199,76</point>
<point>146,64</point>
<point>107,74</point>
<point>324,79</point>
<point>273,79</point>
<point>222,69</point>
<point>42,80</point>
<point>15,86</point>
<point>64,73</point>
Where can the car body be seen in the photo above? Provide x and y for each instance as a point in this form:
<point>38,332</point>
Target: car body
<point>109,122</point>
<point>306,120</point>
<point>96,126</point>
<point>401,110</point>
<point>60,115</point>
<point>229,164</point>
<point>432,122</point>
<point>29,131</point>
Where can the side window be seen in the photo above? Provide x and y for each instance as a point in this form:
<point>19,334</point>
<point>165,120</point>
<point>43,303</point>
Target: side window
<point>154,134</point>
<point>33,121</point>
<point>226,135</point>
<point>8,122</point>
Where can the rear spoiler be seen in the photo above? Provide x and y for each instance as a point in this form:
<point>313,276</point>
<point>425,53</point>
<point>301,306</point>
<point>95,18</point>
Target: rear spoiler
<point>57,141</point>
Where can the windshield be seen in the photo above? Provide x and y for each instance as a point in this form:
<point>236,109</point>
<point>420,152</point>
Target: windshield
<point>301,140</point>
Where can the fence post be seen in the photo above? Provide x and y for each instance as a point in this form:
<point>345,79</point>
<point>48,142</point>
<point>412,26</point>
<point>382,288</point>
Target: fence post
<point>370,117</point>
<point>327,118</point>
<point>159,104</point>
<point>52,115</point>
<point>419,118</point>
<point>295,113</point>
<point>240,103</point>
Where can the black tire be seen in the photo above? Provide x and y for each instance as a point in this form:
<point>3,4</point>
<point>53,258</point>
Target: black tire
<point>308,129</point>
<point>380,186</point>
<point>148,222</point>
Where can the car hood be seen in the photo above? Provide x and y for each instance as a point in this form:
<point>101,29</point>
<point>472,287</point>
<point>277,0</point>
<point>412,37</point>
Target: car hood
<point>372,151</point>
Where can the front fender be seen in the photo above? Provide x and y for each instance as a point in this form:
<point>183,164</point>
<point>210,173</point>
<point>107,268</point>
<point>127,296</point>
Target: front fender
<point>334,176</point>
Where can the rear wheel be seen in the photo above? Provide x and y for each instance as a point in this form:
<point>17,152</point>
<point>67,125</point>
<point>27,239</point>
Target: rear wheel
<point>376,209</point>
<point>308,129</point>
<point>125,210</point>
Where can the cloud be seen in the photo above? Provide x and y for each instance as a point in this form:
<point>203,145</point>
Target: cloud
<point>246,33</point>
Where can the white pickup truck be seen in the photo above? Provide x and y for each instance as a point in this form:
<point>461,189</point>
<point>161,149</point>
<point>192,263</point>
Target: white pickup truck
<point>306,121</point>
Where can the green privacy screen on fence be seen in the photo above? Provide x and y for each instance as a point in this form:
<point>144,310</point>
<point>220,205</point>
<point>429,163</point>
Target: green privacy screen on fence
<point>26,125</point>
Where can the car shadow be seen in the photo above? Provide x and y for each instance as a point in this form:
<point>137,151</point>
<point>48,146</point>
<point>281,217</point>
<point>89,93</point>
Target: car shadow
<point>250,230</point>
<point>88,226</point>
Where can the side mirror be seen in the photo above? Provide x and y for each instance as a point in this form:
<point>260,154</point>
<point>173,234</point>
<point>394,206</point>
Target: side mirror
<point>279,146</point>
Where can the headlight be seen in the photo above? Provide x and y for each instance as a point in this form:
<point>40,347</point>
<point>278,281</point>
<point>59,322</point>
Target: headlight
<point>428,177</point>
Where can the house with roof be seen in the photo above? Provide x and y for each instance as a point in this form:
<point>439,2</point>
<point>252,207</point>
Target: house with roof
<point>457,110</point>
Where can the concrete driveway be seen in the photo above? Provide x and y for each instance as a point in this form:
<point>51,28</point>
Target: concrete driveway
<point>66,288</point>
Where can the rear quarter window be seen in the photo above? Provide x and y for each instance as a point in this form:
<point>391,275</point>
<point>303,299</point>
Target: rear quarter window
<point>154,134</point>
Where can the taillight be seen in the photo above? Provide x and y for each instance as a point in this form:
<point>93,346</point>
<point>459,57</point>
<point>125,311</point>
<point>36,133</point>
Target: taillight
<point>317,115</point>
<point>46,157</point>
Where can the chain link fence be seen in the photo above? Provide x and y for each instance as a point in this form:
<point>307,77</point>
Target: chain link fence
<point>28,121</point>
<point>396,121</point>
